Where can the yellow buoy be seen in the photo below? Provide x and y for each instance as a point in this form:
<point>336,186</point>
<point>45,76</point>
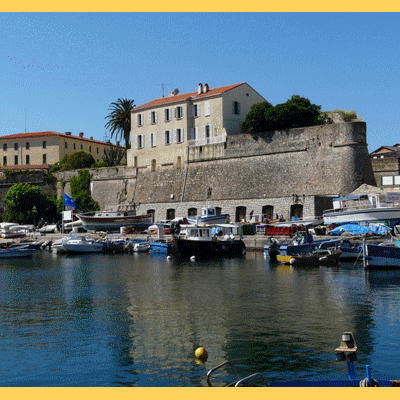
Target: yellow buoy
<point>201,353</point>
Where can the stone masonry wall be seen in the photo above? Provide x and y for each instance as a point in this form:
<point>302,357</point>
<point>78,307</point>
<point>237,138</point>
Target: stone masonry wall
<point>318,162</point>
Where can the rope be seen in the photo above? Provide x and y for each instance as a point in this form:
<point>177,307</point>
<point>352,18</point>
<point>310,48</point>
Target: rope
<point>365,383</point>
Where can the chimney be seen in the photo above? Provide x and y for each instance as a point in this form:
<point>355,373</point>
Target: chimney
<point>68,133</point>
<point>200,89</point>
<point>206,88</point>
<point>91,137</point>
<point>80,134</point>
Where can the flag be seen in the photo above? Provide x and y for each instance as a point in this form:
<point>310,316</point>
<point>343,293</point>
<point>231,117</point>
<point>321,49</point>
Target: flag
<point>69,201</point>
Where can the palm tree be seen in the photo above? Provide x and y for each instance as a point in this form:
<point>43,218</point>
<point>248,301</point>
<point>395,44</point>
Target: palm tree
<point>119,119</point>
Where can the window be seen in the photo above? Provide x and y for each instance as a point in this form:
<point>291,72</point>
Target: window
<point>44,159</point>
<point>66,145</point>
<point>15,160</point>
<point>44,144</point>
<point>139,141</point>
<point>5,147</point>
<point>236,107</point>
<point>4,160</point>
<point>179,112</point>
<point>27,145</point>
<point>27,159</point>
<point>178,135</point>
<point>195,110</point>
<point>152,140</point>
<point>81,146</point>
<point>207,131</point>
<point>74,146</point>
<point>97,150</point>
<point>207,108</point>
<point>194,133</point>
<point>90,149</point>
<point>153,117</point>
<point>167,137</point>
<point>167,114</point>
<point>16,147</point>
<point>139,119</point>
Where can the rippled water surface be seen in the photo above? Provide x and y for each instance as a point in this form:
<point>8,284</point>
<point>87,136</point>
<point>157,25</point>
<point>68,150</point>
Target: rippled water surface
<point>136,320</point>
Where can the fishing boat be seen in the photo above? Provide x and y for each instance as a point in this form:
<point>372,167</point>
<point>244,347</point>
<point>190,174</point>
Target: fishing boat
<point>79,244</point>
<point>365,208</point>
<point>194,240</point>
<point>208,216</point>
<point>161,246</point>
<point>302,243</point>
<point>381,256</point>
<point>114,218</point>
<point>16,251</point>
<point>143,247</point>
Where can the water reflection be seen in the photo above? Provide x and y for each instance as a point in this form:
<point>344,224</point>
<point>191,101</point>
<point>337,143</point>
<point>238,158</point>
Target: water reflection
<point>136,320</point>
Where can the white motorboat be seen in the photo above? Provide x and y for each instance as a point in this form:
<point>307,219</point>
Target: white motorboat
<point>365,208</point>
<point>141,247</point>
<point>79,244</point>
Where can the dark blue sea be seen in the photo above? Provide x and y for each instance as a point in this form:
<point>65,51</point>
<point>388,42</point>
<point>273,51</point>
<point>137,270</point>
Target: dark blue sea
<point>137,319</point>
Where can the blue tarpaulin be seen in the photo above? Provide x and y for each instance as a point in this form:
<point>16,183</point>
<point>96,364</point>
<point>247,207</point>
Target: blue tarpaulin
<point>354,229</point>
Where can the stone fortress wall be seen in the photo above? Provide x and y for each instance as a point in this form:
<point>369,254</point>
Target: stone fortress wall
<point>318,162</point>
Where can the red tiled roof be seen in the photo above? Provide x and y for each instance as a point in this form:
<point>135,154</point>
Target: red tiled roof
<point>46,134</point>
<point>188,96</point>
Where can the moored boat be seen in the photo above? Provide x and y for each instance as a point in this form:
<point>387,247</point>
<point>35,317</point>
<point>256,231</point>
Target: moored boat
<point>209,216</point>
<point>79,244</point>
<point>194,240</point>
<point>114,218</point>
<point>17,251</point>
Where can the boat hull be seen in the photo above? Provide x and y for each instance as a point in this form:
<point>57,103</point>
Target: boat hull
<point>77,248</point>
<point>209,248</point>
<point>391,214</point>
<point>16,253</point>
<point>382,257</point>
<point>209,220</point>
<point>93,223</point>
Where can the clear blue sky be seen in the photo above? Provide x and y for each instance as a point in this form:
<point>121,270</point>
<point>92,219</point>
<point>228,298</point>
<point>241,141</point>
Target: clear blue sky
<point>61,71</point>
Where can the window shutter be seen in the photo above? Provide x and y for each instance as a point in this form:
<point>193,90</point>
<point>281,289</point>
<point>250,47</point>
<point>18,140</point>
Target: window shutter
<point>211,130</point>
<point>176,113</point>
<point>204,131</point>
<point>150,140</point>
<point>192,134</point>
<point>156,115</point>
<point>182,138</point>
<point>136,141</point>
<point>164,114</point>
<point>198,110</point>
<point>175,136</point>
<point>154,139</point>
<point>143,138</point>
<point>192,110</point>
<point>137,119</point>
<point>207,108</point>
<point>150,117</point>
<point>164,137</point>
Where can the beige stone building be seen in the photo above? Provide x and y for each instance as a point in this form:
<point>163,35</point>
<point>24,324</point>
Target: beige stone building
<point>41,149</point>
<point>171,130</point>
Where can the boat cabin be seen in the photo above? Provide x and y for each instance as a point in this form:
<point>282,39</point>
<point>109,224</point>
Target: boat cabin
<point>363,201</point>
<point>208,212</point>
<point>197,233</point>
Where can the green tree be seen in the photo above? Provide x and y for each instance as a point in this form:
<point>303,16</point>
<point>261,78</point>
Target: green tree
<point>77,160</point>
<point>80,192</point>
<point>294,113</point>
<point>119,119</point>
<point>113,156</point>
<point>20,199</point>
<point>255,120</point>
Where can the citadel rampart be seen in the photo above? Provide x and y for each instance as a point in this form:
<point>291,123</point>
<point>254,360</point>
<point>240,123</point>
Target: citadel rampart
<point>315,163</point>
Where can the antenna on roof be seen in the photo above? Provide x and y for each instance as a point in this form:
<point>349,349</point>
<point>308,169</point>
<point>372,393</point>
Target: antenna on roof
<point>106,138</point>
<point>162,86</point>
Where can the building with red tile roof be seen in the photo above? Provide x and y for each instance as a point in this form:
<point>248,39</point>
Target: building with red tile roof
<point>169,131</point>
<point>39,150</point>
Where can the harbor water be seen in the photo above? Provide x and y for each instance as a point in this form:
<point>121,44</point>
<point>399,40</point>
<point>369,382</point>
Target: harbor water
<point>137,319</point>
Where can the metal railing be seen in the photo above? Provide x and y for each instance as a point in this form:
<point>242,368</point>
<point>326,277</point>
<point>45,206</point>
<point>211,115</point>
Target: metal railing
<point>206,141</point>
